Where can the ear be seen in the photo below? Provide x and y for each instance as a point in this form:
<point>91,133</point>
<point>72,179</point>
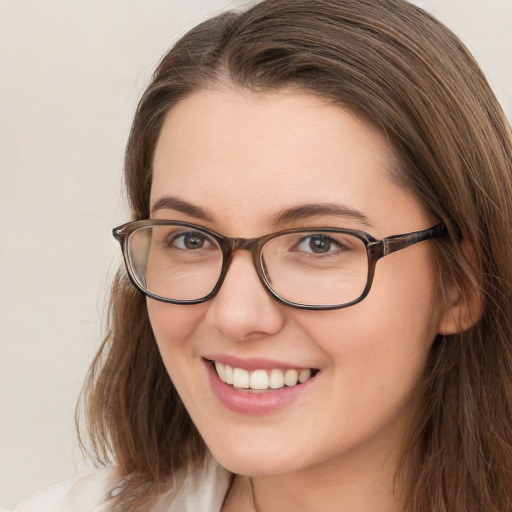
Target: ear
<point>464,303</point>
<point>462,312</point>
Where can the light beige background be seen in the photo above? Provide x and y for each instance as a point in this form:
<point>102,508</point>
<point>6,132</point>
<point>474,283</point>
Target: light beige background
<point>70,77</point>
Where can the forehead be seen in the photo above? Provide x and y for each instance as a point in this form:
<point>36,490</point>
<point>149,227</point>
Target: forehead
<point>236,152</point>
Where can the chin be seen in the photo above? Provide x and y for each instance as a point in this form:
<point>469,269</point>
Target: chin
<point>261,457</point>
<point>250,465</point>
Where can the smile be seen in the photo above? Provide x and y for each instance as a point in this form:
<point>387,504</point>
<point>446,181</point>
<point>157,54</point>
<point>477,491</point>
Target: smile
<point>261,380</point>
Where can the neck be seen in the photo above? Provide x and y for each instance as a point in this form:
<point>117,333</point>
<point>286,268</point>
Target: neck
<point>348,484</point>
<point>328,489</point>
<point>358,479</point>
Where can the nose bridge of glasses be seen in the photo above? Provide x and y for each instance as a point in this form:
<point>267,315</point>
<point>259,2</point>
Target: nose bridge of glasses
<point>242,244</point>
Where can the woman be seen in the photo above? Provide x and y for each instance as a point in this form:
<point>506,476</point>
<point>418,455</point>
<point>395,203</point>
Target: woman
<point>324,321</point>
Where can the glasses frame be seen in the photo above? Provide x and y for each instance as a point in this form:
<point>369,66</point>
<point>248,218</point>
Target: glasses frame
<point>375,250</point>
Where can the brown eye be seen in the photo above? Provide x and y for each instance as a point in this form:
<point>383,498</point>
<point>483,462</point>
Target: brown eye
<point>318,244</point>
<point>190,241</point>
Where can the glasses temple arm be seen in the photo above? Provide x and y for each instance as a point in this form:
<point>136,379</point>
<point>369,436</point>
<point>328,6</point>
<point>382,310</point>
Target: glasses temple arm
<point>399,242</point>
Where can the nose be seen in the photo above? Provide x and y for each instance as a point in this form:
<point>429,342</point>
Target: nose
<point>243,309</point>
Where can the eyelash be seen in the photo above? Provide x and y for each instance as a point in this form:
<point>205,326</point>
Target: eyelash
<point>179,239</point>
<point>323,238</point>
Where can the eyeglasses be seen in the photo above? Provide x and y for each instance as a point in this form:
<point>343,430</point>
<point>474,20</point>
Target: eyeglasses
<point>313,268</point>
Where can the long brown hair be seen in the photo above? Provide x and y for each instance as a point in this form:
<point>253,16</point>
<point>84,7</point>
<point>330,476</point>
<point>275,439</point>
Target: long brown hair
<point>407,74</point>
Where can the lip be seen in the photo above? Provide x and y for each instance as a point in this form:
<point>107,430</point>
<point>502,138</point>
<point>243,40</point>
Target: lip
<point>252,364</point>
<point>254,403</point>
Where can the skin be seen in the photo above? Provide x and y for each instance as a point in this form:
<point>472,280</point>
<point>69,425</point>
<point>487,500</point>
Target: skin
<point>243,157</point>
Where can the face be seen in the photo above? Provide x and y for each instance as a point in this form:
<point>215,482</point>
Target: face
<point>233,161</point>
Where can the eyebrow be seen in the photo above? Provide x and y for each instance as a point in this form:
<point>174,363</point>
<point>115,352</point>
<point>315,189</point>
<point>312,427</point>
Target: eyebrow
<point>307,211</point>
<point>173,203</point>
<point>286,216</point>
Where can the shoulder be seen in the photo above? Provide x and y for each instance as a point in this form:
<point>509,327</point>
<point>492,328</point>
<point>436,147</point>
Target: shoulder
<point>202,487</point>
<point>88,492</point>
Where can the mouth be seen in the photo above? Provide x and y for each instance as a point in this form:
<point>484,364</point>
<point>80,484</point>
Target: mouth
<point>262,380</point>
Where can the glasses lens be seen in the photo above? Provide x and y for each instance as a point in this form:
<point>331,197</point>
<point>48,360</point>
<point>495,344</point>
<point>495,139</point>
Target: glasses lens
<point>317,267</point>
<point>174,262</point>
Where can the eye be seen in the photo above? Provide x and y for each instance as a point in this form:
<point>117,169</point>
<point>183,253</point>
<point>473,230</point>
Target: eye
<point>190,241</point>
<point>319,244</point>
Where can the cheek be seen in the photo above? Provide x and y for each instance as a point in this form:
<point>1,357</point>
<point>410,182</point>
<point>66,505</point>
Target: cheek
<point>405,295</point>
<point>381,344</point>
<point>172,326</point>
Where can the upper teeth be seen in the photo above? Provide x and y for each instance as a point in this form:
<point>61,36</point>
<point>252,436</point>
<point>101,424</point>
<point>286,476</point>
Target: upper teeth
<point>260,379</point>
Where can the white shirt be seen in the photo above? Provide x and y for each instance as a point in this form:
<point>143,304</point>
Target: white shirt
<point>202,491</point>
